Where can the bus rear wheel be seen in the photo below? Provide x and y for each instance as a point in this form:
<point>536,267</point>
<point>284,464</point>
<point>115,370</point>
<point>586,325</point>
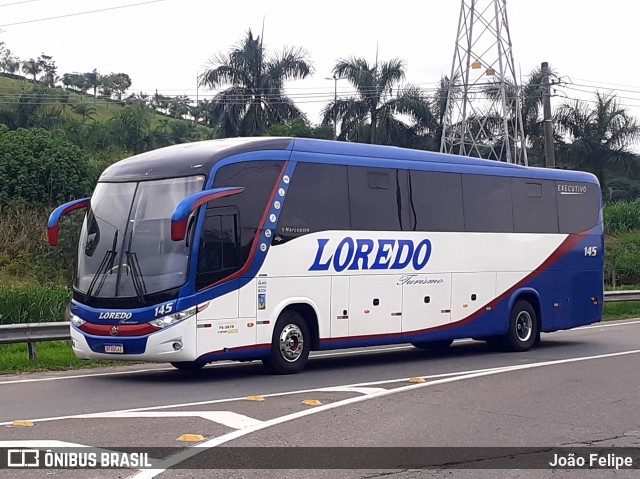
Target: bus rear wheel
<point>524,328</point>
<point>290,345</point>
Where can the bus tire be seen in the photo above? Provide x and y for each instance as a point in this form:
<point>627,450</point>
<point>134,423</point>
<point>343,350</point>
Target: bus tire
<point>524,327</point>
<point>188,365</point>
<point>434,345</point>
<point>290,344</point>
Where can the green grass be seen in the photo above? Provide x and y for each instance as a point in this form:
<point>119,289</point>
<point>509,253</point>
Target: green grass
<point>623,310</point>
<point>52,356</point>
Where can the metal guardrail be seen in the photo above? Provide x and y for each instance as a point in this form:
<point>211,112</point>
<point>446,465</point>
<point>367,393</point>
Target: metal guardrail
<point>32,333</point>
<point>619,296</point>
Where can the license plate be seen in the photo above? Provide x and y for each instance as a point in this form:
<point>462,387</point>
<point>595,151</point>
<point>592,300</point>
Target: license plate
<point>114,348</point>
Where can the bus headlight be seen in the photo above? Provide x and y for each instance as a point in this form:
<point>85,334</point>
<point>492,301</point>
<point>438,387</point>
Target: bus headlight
<point>173,318</point>
<point>75,320</point>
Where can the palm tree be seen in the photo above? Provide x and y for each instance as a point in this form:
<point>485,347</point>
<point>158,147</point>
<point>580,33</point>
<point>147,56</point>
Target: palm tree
<point>600,137</point>
<point>255,98</point>
<point>32,67</point>
<point>371,116</point>
<point>83,109</point>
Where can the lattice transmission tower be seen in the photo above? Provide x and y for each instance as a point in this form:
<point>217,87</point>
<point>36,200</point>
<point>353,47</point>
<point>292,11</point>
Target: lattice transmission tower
<point>483,117</point>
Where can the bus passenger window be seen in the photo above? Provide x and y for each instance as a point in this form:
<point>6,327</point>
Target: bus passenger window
<point>318,200</point>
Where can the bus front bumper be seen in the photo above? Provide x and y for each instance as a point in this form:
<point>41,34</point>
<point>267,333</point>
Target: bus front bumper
<point>171,344</point>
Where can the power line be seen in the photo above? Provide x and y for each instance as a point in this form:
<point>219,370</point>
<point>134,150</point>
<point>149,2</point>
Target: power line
<point>80,13</point>
<point>17,3</point>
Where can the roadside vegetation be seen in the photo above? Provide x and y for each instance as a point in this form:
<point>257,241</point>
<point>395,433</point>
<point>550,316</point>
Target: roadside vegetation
<point>52,356</point>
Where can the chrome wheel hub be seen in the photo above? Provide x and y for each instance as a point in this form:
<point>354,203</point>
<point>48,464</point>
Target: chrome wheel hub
<point>291,343</point>
<point>524,326</point>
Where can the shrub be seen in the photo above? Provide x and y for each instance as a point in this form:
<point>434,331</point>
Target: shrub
<point>37,167</point>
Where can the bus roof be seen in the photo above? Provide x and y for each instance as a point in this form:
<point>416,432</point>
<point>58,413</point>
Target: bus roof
<point>200,157</point>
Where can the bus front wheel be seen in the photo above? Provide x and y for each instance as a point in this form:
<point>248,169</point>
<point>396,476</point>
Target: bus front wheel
<point>290,344</point>
<point>524,327</point>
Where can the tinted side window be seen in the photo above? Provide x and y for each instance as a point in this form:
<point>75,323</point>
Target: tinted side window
<point>258,179</point>
<point>219,246</point>
<point>377,199</point>
<point>578,206</point>
<point>317,200</point>
<point>436,201</point>
<point>534,206</point>
<point>487,204</point>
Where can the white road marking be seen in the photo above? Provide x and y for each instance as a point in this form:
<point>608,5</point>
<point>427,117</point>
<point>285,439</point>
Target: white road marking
<point>40,444</point>
<point>226,418</point>
<point>350,389</point>
<point>314,355</point>
<point>195,450</point>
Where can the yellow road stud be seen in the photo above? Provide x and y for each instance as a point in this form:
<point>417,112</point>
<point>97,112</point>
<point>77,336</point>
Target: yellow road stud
<point>255,398</point>
<point>191,438</point>
<point>416,380</point>
<point>311,402</point>
<point>20,423</point>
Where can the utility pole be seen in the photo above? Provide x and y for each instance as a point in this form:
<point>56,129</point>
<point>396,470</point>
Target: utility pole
<point>335,108</point>
<point>549,154</point>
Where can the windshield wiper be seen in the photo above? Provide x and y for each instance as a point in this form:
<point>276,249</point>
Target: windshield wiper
<point>136,274</point>
<point>105,265</point>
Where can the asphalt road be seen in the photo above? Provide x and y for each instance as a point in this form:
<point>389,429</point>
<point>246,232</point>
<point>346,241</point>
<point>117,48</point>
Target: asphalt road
<point>577,388</point>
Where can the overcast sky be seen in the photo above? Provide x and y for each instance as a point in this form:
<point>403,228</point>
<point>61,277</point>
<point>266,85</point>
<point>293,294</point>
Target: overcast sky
<point>164,44</point>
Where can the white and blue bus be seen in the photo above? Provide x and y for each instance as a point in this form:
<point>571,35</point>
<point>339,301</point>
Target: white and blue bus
<point>268,248</point>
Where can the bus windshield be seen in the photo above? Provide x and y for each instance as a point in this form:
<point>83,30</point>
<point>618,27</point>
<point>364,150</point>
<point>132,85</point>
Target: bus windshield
<point>125,244</point>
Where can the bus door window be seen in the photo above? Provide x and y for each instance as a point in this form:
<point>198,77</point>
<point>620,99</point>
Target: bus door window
<point>219,245</point>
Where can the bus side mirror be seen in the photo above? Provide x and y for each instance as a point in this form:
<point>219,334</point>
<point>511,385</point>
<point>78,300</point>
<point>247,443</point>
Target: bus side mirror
<point>180,216</point>
<point>59,212</point>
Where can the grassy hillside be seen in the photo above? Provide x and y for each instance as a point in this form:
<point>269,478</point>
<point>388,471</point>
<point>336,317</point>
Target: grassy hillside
<point>11,88</point>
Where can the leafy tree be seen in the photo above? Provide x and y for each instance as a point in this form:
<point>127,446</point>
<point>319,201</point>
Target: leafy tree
<point>76,81</point>
<point>254,99</point>
<point>371,116</point>
<point>8,62</point>
<point>114,83</point>
<point>49,69</point>
<point>93,80</point>
<point>32,67</point>
<point>37,167</point>
<point>599,138</point>
<point>301,129</point>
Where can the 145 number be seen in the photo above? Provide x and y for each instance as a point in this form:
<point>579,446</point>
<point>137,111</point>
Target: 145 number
<point>591,251</point>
